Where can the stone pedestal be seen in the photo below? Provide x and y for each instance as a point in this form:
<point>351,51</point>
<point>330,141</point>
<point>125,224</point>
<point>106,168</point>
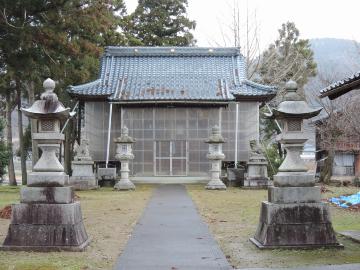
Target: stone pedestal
<point>294,216</point>
<point>83,177</point>
<point>47,219</point>
<point>215,181</point>
<point>257,176</point>
<point>124,183</point>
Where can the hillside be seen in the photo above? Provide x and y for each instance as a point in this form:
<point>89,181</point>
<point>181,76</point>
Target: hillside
<point>336,59</point>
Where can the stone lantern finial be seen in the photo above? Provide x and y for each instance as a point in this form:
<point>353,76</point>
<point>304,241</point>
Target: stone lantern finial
<point>49,95</point>
<point>291,86</point>
<point>49,85</point>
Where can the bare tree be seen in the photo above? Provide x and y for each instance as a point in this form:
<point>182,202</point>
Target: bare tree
<point>338,125</point>
<point>243,32</point>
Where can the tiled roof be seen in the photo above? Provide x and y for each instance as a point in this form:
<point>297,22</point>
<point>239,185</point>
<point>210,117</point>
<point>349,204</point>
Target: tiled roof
<point>341,87</point>
<point>135,74</point>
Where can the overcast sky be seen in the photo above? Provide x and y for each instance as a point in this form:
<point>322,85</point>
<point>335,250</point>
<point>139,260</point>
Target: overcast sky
<point>314,18</point>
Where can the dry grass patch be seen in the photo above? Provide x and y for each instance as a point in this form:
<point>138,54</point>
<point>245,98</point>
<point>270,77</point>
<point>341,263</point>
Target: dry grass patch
<point>233,216</point>
<point>109,218</point>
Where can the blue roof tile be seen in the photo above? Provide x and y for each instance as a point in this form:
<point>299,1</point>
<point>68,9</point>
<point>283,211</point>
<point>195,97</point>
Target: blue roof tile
<point>172,73</point>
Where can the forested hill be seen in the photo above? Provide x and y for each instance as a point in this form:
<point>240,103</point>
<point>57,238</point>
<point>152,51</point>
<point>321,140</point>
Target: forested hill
<point>336,59</point>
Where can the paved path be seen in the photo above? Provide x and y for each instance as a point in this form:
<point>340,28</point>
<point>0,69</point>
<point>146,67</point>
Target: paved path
<point>320,267</point>
<point>171,236</point>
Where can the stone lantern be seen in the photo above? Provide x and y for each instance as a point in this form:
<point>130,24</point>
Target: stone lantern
<point>47,217</point>
<point>215,155</point>
<point>124,153</point>
<point>294,216</point>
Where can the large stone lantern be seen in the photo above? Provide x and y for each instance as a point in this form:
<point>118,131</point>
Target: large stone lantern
<point>124,154</point>
<point>47,217</point>
<point>294,216</point>
<point>215,155</point>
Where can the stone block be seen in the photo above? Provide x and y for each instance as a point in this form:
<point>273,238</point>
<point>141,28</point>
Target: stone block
<point>46,227</point>
<point>47,179</point>
<point>83,182</point>
<point>50,214</point>
<point>34,236</point>
<point>106,173</point>
<point>296,235</point>
<point>297,213</point>
<point>294,194</point>
<point>295,225</point>
<point>289,179</point>
<point>46,195</point>
<point>256,183</point>
<point>82,168</point>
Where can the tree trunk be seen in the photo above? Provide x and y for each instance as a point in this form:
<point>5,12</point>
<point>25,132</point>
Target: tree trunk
<point>326,172</point>
<point>67,148</point>
<point>11,170</point>
<point>21,135</point>
<point>34,145</point>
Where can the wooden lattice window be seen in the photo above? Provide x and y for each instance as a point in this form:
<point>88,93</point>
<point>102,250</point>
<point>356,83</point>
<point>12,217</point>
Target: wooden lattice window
<point>294,125</point>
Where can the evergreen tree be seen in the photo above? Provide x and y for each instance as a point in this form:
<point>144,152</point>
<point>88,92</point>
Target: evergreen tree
<point>160,23</point>
<point>58,38</point>
<point>289,57</point>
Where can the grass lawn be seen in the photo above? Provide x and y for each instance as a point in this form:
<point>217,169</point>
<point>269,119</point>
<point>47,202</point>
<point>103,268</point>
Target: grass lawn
<point>109,218</point>
<point>233,216</point>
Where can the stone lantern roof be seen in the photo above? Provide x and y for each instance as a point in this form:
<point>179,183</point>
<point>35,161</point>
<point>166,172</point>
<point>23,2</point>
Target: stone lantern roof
<point>48,106</point>
<point>293,105</point>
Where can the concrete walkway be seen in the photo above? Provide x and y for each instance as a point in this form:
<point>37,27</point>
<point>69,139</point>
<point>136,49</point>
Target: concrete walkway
<point>320,267</point>
<point>171,235</point>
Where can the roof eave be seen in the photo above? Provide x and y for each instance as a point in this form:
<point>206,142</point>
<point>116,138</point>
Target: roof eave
<point>340,90</point>
<point>260,98</point>
<point>83,97</point>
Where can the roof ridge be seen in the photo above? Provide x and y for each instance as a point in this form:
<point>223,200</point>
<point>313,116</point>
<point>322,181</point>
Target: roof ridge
<point>171,51</point>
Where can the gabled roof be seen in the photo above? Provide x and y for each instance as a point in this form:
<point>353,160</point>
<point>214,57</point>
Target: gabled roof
<point>341,87</point>
<point>136,74</point>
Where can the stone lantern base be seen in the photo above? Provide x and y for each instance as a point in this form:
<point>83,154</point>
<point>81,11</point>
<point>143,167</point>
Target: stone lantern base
<point>124,184</point>
<point>215,184</point>
<point>46,219</point>
<point>294,217</point>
